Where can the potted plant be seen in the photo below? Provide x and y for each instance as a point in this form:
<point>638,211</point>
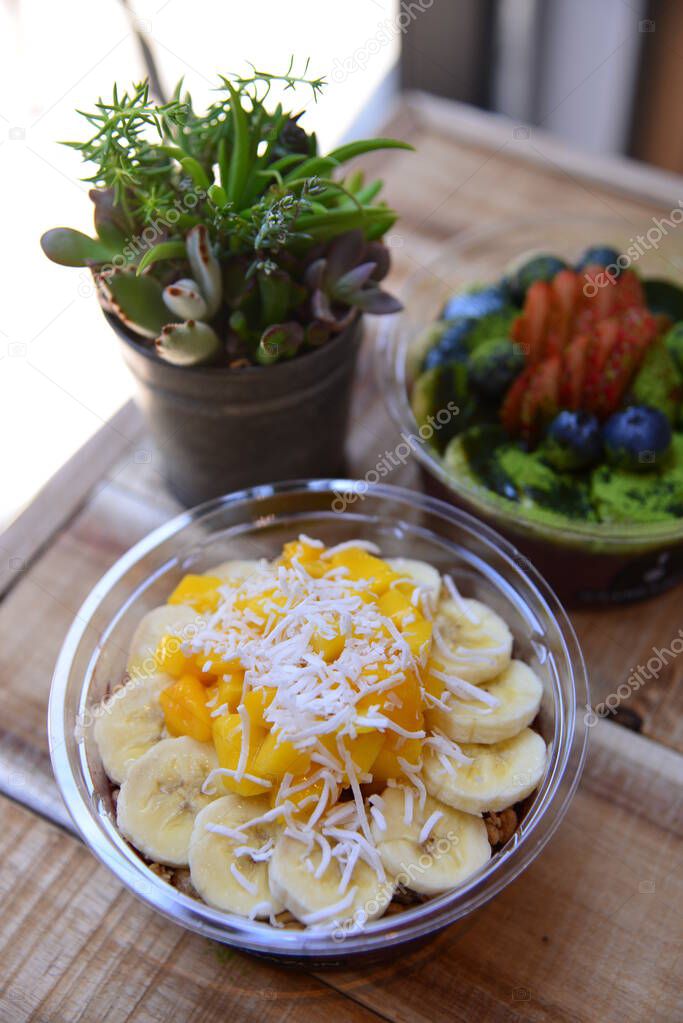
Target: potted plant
<point>235,265</point>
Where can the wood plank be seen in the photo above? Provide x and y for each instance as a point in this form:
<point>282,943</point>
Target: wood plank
<point>65,491</point>
<point>34,618</point>
<point>607,890</point>
<point>76,946</point>
<point>591,931</point>
<point>548,948</point>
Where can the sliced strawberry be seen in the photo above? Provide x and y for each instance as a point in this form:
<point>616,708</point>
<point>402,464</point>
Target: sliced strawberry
<point>512,403</point>
<point>639,326</point>
<point>541,400</point>
<point>599,296</point>
<point>629,291</point>
<point>636,330</point>
<point>605,337</point>
<point>566,297</point>
<point>622,362</point>
<point>530,328</point>
<point>574,371</point>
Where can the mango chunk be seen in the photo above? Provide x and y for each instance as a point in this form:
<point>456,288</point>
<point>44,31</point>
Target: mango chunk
<point>170,658</point>
<point>394,749</point>
<point>224,693</point>
<point>362,565</point>
<point>278,757</point>
<point>329,647</point>
<point>199,591</point>
<point>227,738</point>
<point>418,636</point>
<point>364,749</point>
<point>257,702</point>
<point>185,710</point>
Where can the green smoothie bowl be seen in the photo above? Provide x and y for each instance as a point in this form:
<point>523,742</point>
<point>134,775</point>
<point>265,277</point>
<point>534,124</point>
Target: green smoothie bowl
<point>537,371</point>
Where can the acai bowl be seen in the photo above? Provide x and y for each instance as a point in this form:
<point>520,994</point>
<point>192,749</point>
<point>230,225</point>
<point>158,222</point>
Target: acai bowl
<point>560,343</point>
<point>183,862</point>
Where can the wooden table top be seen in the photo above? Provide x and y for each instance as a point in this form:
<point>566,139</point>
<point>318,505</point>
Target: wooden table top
<point>591,931</point>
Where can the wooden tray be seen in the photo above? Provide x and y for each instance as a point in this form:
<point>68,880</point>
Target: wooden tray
<point>592,931</point>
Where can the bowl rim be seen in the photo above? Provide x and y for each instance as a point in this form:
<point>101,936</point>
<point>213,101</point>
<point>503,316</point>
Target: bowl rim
<point>104,840</point>
<point>390,368</point>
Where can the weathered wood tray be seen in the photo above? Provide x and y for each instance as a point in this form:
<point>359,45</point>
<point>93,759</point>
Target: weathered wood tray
<point>592,931</point>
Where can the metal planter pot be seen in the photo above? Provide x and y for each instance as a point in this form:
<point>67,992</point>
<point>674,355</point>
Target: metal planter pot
<point>219,430</point>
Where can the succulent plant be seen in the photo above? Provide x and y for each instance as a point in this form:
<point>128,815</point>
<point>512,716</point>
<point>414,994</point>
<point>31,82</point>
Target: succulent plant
<point>225,236</point>
<point>345,278</point>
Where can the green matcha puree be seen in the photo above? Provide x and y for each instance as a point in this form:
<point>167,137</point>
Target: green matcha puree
<point>605,494</point>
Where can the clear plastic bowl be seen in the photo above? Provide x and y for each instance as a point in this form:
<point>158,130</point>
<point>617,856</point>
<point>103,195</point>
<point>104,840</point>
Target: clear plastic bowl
<point>255,523</point>
<point>586,562</point>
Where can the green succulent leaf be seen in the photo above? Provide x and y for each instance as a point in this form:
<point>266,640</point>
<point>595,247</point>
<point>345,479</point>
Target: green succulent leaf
<point>313,167</point>
<point>370,192</point>
<point>139,302</point>
<point>196,172</point>
<point>173,151</point>
<point>164,250</point>
<point>223,164</point>
<point>275,293</point>
<point>218,196</point>
<point>238,323</point>
<point>281,341</point>
<point>239,158</point>
<point>362,146</point>
<point>374,221</point>
<point>68,247</point>
<point>290,160</point>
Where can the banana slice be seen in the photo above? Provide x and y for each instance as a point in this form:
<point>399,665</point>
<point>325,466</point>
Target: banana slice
<point>235,571</point>
<point>128,723</point>
<point>439,849</point>
<point>423,575</point>
<point>169,619</point>
<point>498,776</point>
<point>319,900</point>
<point>471,641</point>
<point>161,796</point>
<point>224,879</point>
<point>518,692</point>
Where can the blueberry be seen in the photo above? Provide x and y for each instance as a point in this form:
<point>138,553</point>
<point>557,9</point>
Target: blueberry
<point>494,365</point>
<point>477,303</point>
<point>600,255</point>
<point>573,441</point>
<point>637,438</point>
<point>452,345</point>
<point>540,268</point>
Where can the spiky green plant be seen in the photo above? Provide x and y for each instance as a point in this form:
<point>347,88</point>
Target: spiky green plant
<point>228,223</point>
